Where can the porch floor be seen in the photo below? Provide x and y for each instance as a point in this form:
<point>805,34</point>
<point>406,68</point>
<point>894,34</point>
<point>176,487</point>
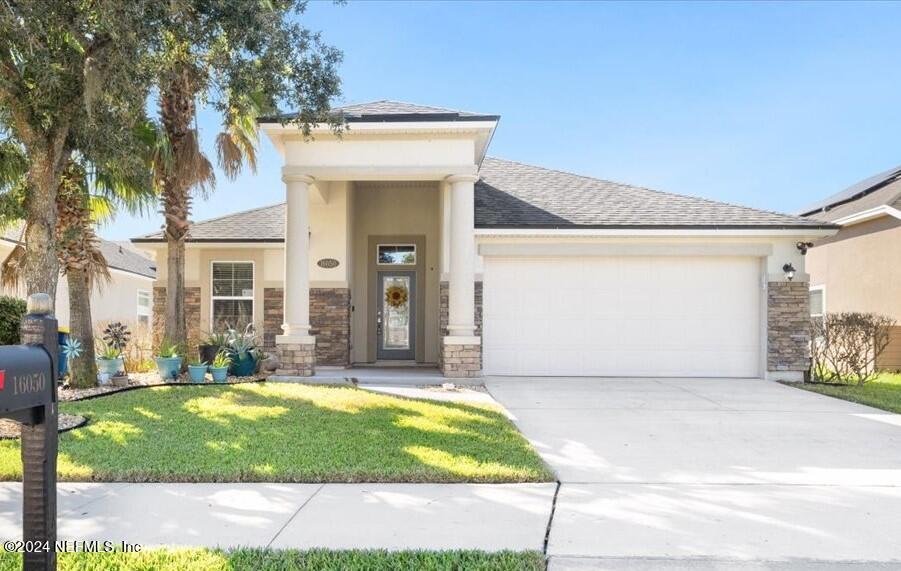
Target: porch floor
<point>378,375</point>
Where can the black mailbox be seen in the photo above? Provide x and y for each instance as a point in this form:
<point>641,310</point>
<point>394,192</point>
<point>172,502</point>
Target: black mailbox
<point>28,394</point>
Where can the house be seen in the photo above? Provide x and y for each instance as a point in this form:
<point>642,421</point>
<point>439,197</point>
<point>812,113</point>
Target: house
<point>128,297</point>
<point>859,268</point>
<point>402,242</point>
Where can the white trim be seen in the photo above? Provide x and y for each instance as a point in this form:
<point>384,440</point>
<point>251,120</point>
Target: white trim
<point>870,214</point>
<point>580,250</point>
<point>526,232</point>
<point>385,127</point>
<point>252,298</point>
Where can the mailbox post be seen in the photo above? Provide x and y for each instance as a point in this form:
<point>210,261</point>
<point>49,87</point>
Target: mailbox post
<point>28,394</point>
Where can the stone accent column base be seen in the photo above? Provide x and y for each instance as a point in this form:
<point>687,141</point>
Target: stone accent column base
<point>461,357</point>
<point>296,356</point>
<point>788,330</point>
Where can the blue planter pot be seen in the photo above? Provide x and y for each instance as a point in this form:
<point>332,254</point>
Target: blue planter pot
<point>243,367</point>
<point>168,367</point>
<point>197,373</point>
<point>220,374</point>
<point>62,337</point>
<point>110,366</point>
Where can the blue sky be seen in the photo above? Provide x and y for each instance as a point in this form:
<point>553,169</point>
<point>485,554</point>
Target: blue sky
<point>770,105</point>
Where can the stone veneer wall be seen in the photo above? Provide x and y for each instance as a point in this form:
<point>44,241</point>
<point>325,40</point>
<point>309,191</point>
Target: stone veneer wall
<point>788,326</point>
<point>459,351</point>
<point>192,314</point>
<point>329,321</point>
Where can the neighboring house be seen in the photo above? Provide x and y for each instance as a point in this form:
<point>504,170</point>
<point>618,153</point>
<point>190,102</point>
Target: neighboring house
<point>128,297</point>
<point>859,269</point>
<point>401,242</point>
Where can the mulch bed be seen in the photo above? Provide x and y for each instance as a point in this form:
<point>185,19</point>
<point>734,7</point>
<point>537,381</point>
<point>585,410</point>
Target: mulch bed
<point>142,380</point>
<point>10,429</point>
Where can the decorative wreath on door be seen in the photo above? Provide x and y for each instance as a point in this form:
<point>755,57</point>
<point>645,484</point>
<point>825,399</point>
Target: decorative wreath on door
<point>396,296</point>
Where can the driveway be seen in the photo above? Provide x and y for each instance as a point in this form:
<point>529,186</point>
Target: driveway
<point>711,473</point>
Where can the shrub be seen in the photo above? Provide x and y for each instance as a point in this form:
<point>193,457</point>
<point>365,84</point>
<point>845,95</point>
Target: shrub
<point>845,346</point>
<point>12,310</point>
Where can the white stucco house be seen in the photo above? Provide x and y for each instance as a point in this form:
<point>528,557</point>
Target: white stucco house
<point>128,297</point>
<point>402,242</point>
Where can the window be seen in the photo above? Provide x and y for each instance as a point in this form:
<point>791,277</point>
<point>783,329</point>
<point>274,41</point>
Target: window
<point>144,309</point>
<point>396,254</point>
<point>232,290</point>
<point>817,303</point>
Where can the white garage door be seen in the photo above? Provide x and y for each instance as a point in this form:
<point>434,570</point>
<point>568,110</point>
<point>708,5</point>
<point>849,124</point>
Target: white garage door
<point>622,316</point>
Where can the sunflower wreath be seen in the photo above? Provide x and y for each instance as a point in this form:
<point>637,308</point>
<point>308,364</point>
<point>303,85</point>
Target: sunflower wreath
<point>396,296</point>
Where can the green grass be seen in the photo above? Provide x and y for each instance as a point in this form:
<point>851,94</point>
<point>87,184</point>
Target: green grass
<point>289,560</point>
<point>883,392</point>
<point>285,433</point>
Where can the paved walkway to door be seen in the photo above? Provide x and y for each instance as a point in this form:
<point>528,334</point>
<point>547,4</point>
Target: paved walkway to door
<point>708,473</point>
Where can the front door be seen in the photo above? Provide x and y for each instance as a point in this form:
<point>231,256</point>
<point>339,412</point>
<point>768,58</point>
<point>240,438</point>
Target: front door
<point>396,316</point>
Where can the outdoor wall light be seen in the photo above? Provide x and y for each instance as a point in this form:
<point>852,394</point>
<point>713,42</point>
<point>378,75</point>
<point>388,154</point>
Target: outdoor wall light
<point>789,271</point>
<point>803,247</point>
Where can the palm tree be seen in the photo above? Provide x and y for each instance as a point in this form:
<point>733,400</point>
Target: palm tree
<point>85,196</point>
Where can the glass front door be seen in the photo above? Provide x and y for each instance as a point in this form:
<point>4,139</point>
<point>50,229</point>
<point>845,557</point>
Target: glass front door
<point>396,315</point>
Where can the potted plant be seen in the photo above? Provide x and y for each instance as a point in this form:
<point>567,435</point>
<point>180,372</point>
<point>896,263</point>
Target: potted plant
<point>109,359</point>
<point>219,366</point>
<point>214,342</point>
<point>197,371</point>
<point>242,349</point>
<point>168,360</point>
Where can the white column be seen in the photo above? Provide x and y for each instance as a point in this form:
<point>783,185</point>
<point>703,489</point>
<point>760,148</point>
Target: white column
<point>461,305</point>
<point>297,260</point>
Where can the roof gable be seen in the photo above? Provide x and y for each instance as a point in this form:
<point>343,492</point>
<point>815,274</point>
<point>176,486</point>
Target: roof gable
<point>882,190</point>
<point>386,111</point>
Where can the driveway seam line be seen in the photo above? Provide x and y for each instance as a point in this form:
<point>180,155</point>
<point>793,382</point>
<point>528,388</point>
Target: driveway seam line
<point>294,515</point>
<point>550,519</point>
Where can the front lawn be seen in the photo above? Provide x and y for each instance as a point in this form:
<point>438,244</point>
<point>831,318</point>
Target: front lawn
<point>289,560</point>
<point>883,392</point>
<point>285,433</point>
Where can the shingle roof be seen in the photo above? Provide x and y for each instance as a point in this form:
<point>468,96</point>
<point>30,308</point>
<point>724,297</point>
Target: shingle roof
<point>118,256</point>
<point>515,195</point>
<point>883,189</point>
<point>512,194</point>
<point>389,111</point>
<point>264,224</point>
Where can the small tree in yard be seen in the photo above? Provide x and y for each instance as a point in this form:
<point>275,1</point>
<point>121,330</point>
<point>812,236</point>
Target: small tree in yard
<point>846,345</point>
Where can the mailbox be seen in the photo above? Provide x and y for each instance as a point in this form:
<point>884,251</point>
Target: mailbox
<point>28,394</point>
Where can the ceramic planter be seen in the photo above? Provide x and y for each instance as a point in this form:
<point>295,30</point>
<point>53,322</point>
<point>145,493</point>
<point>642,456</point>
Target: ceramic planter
<point>197,373</point>
<point>220,374</point>
<point>119,380</point>
<point>110,366</point>
<point>168,367</point>
<point>243,367</point>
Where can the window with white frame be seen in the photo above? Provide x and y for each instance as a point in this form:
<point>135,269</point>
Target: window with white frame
<point>232,294</point>
<point>817,303</point>
<point>144,309</point>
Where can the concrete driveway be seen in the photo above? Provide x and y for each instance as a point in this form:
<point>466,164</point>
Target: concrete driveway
<point>712,473</point>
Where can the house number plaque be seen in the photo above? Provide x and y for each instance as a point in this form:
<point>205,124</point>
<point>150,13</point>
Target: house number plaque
<point>328,263</point>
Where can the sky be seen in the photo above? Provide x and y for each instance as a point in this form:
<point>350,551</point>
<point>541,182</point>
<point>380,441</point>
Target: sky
<point>769,105</point>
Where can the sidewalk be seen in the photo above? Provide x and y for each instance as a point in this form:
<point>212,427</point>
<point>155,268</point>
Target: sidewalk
<point>489,517</point>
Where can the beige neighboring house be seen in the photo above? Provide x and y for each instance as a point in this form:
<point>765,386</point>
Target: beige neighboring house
<point>859,269</point>
<point>403,243</point>
<point>127,298</point>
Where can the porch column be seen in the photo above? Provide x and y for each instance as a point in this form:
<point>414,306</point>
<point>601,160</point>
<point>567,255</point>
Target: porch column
<point>461,349</point>
<point>296,348</point>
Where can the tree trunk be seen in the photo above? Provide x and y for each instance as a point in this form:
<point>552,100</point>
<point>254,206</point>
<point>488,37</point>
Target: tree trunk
<point>177,113</point>
<point>83,369</point>
<point>41,268</point>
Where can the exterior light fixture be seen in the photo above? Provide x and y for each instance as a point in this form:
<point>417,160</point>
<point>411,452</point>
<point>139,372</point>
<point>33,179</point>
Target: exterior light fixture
<point>803,247</point>
<point>789,271</point>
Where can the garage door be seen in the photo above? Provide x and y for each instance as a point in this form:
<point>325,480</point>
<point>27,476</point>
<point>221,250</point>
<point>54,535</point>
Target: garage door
<point>622,316</point>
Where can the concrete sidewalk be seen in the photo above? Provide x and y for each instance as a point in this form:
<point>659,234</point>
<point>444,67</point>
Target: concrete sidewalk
<point>490,517</point>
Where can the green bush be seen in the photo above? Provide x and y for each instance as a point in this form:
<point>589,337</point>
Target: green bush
<point>11,311</point>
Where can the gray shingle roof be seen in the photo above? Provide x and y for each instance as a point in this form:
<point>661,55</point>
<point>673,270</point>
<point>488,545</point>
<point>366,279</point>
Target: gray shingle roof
<point>515,195</point>
<point>264,224</point>
<point>118,256</point>
<point>512,194</point>
<point>883,189</point>
<point>389,111</point>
